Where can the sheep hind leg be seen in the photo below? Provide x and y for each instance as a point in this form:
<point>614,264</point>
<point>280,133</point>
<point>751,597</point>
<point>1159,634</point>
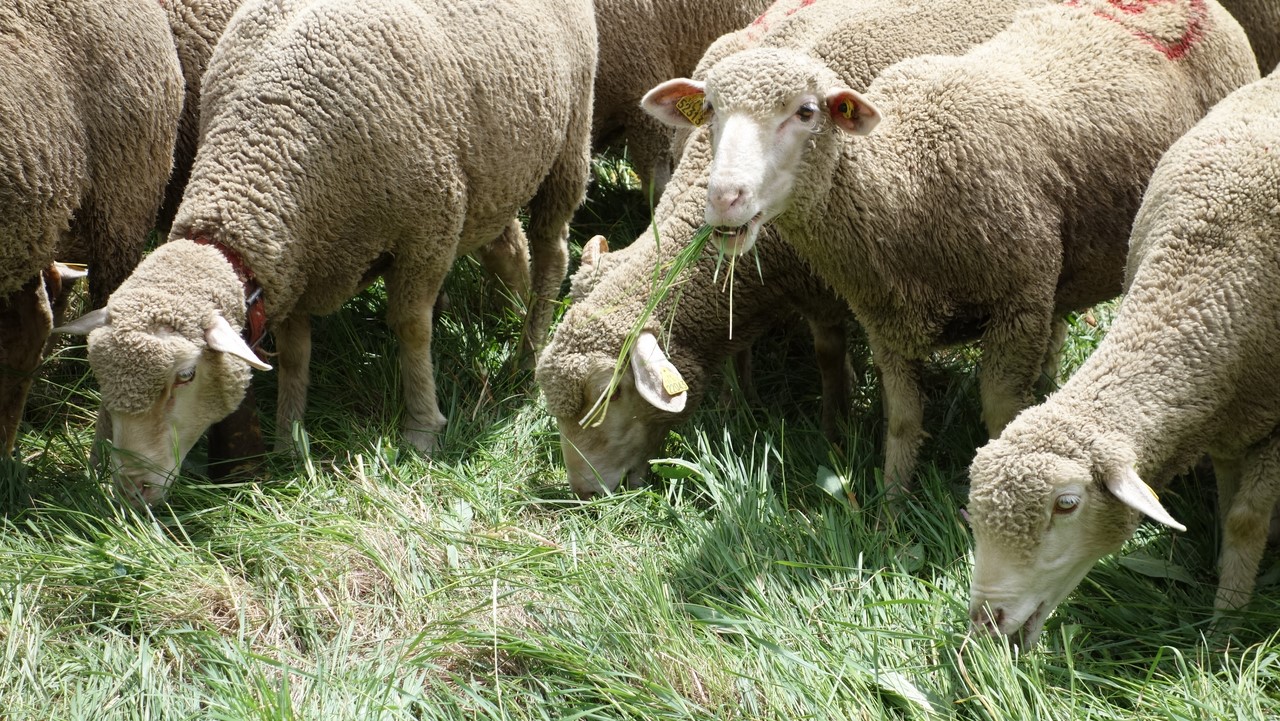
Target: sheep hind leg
<point>293,363</point>
<point>830,345</point>
<point>507,259</point>
<point>904,411</point>
<point>1245,526</point>
<point>410,296</point>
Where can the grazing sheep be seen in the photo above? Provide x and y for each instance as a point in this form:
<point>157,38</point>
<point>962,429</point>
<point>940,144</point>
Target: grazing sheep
<point>90,93</point>
<point>335,148</point>
<point>1189,366</point>
<point>995,197</point>
<point>643,42</point>
<point>1261,22</point>
<point>609,294</point>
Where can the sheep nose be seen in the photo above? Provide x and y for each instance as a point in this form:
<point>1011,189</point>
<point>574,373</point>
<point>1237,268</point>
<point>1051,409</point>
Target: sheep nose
<point>987,618</point>
<point>727,200</point>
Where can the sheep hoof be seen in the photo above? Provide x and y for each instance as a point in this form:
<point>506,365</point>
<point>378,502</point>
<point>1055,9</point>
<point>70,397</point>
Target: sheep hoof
<point>423,440</point>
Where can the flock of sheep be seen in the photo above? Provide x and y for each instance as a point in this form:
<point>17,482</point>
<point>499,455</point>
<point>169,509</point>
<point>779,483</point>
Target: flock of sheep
<point>958,170</point>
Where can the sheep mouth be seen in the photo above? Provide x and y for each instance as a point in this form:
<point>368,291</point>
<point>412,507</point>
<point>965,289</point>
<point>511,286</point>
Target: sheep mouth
<point>736,240</point>
<point>1028,633</point>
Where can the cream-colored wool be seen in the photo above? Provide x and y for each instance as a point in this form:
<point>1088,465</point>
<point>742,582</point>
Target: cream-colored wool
<point>642,43</point>
<point>196,26</point>
<point>339,135</point>
<point>1189,366</point>
<point>1261,21</point>
<point>90,93</point>
<point>998,190</point>
<point>693,324</point>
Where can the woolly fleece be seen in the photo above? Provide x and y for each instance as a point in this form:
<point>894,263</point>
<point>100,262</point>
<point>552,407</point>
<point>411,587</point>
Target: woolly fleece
<point>1189,365</point>
<point>642,43</point>
<point>90,94</point>
<point>998,191</point>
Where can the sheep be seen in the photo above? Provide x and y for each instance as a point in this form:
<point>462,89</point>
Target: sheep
<point>332,151</point>
<point>660,388</point>
<point>1261,22</point>
<point>90,93</point>
<point>995,197</point>
<point>1187,367</point>
<point>643,42</point>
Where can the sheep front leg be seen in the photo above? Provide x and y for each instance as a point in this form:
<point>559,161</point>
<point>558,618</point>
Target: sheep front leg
<point>293,366</point>
<point>410,297</point>
<point>904,411</point>
<point>1245,526</point>
<point>1015,347</point>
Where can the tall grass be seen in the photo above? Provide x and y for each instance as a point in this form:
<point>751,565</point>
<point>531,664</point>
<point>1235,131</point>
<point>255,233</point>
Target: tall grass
<point>756,580</point>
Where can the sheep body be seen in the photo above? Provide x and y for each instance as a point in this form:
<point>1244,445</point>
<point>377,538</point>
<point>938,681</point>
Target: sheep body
<point>996,195</point>
<point>609,294</point>
<point>89,99</point>
<point>1187,367</point>
<point>643,42</point>
<point>1261,22</point>
<point>333,150</point>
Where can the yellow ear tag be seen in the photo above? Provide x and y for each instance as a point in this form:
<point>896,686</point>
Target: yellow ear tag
<point>847,109</point>
<point>672,383</point>
<point>691,107</point>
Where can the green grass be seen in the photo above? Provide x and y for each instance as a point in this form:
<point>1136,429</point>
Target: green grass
<point>364,582</point>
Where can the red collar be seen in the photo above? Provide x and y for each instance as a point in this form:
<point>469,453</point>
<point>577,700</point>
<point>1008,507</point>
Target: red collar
<point>255,309</point>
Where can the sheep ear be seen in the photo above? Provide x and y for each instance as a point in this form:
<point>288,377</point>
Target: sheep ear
<point>592,250</point>
<point>224,339</point>
<point>680,103</point>
<point>1136,494</point>
<point>657,379</point>
<point>69,272</point>
<point>85,323</point>
<point>852,112</point>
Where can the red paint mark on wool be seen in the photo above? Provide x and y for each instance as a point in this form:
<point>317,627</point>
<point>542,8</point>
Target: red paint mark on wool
<point>762,22</point>
<point>1193,34</point>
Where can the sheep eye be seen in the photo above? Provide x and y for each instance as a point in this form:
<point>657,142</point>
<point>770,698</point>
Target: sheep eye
<point>807,111</point>
<point>1066,503</point>
<point>185,375</point>
<point>617,393</point>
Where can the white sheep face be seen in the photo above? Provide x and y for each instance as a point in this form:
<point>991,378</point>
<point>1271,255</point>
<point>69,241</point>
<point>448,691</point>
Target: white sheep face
<point>769,110</point>
<point>1040,521</point>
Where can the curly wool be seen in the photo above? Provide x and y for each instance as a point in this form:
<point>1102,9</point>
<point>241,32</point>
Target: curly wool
<point>642,43</point>
<point>196,26</point>
<point>1261,22</point>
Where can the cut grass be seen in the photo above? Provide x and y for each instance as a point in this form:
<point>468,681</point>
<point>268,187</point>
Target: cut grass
<point>368,583</point>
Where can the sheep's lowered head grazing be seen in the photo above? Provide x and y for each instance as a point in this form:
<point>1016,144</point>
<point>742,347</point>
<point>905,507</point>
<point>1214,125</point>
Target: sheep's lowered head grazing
<point>168,370</point>
<point>1041,520</point>
<point>761,156</point>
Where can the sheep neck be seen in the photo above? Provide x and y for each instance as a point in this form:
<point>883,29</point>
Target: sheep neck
<point>255,309</point>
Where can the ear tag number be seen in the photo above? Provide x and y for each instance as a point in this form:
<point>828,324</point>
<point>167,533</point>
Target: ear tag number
<point>691,107</point>
<point>672,383</point>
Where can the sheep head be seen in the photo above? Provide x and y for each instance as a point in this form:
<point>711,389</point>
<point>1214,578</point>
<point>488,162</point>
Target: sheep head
<point>168,362</point>
<point>772,113</point>
<point>1040,520</point>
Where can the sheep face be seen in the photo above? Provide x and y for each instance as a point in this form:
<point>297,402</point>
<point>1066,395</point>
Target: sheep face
<point>164,382</point>
<point>773,115</point>
<point>1040,521</point>
<point>616,450</point>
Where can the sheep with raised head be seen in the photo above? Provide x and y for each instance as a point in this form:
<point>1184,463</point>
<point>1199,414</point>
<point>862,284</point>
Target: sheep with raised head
<point>90,93</point>
<point>642,43</point>
<point>333,150</point>
<point>1188,367</point>
<point>685,343</point>
<point>996,196</point>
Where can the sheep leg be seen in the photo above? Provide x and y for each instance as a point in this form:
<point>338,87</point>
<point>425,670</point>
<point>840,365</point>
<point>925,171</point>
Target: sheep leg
<point>559,195</point>
<point>507,259</point>
<point>293,369</point>
<point>740,366</point>
<point>1053,356</point>
<point>1247,521</point>
<point>25,322</point>
<point>831,348</point>
<point>1014,351</point>
<point>411,293</point>
<point>904,411</point>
